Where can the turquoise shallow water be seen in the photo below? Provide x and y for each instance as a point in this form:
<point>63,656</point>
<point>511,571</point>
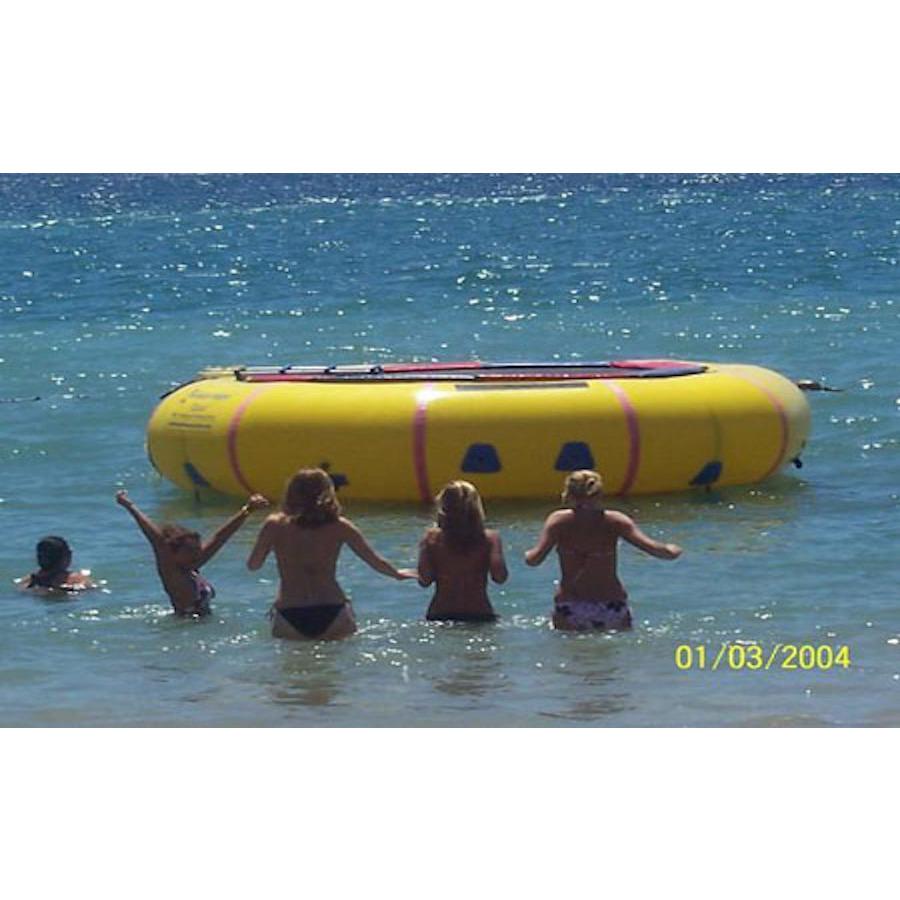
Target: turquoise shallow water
<point>114,288</point>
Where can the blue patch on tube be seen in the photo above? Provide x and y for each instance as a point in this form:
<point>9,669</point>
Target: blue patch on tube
<point>709,474</point>
<point>481,458</point>
<point>196,478</point>
<point>573,456</point>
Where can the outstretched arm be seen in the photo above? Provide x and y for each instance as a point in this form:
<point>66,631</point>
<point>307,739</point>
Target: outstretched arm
<point>499,572</point>
<point>222,534</point>
<point>361,547</point>
<point>546,542</point>
<point>146,524</point>
<point>631,533</point>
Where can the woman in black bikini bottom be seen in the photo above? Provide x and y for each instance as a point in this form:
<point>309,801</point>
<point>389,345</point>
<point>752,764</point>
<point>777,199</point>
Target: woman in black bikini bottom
<point>307,536</point>
<point>464,617</point>
<point>307,621</point>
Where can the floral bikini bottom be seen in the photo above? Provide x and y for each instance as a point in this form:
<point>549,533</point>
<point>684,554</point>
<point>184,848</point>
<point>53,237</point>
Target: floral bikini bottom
<point>583,615</point>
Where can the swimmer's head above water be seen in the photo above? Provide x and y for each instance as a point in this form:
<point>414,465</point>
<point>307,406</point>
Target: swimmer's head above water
<point>583,488</point>
<point>53,554</point>
<point>54,558</point>
<point>310,499</point>
<point>184,543</point>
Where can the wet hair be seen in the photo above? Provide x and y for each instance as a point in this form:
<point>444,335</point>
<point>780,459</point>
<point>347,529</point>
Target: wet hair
<point>310,500</point>
<point>582,485</point>
<point>460,515</point>
<point>53,553</point>
<point>176,536</point>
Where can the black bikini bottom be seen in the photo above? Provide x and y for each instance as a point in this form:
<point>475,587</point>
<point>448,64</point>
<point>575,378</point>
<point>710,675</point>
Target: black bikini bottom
<point>463,617</point>
<point>311,621</point>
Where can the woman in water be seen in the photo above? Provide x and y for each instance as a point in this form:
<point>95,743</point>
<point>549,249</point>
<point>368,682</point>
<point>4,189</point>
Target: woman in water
<point>180,553</point>
<point>53,576</point>
<point>307,536</point>
<point>586,535</point>
<point>457,555</point>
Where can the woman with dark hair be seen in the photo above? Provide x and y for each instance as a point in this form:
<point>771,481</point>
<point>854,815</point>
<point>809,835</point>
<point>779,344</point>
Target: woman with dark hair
<point>180,553</point>
<point>458,554</point>
<point>54,556</point>
<point>307,536</point>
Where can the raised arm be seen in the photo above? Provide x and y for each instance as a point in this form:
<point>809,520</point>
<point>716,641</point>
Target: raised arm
<point>499,572</point>
<point>360,546</point>
<point>546,542</point>
<point>146,524</point>
<point>263,545</point>
<point>222,534</point>
<point>629,531</point>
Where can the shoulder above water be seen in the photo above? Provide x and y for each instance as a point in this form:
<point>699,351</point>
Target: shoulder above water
<point>617,518</point>
<point>74,583</point>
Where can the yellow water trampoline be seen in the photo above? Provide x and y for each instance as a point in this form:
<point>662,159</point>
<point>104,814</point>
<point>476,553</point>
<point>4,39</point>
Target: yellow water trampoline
<point>399,432</point>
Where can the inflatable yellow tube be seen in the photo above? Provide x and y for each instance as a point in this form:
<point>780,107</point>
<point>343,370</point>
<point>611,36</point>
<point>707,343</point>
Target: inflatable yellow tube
<point>401,432</point>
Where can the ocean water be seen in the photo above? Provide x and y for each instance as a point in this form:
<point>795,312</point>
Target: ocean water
<point>115,288</point>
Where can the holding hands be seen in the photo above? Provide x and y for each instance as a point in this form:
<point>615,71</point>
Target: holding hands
<point>254,502</point>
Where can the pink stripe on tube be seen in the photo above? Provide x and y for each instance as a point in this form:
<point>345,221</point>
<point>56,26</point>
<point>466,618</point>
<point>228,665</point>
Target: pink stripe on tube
<point>783,420</point>
<point>634,436</point>
<point>420,457</point>
<point>232,437</point>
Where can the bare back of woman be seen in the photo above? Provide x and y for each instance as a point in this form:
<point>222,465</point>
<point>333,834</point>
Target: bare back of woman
<point>460,577</point>
<point>458,555</point>
<point>307,561</point>
<point>587,542</point>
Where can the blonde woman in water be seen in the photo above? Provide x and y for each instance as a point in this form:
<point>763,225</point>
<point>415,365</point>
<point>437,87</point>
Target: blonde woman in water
<point>458,554</point>
<point>590,595</point>
<point>307,536</point>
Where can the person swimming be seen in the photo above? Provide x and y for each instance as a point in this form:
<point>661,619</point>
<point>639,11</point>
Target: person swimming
<point>54,577</point>
<point>307,536</point>
<point>180,553</point>
<point>457,555</point>
<point>590,595</point>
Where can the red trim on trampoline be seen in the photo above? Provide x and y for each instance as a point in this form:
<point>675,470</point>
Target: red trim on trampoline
<point>430,367</point>
<point>232,438</point>
<point>634,437</point>
<point>650,363</point>
<point>420,456</point>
